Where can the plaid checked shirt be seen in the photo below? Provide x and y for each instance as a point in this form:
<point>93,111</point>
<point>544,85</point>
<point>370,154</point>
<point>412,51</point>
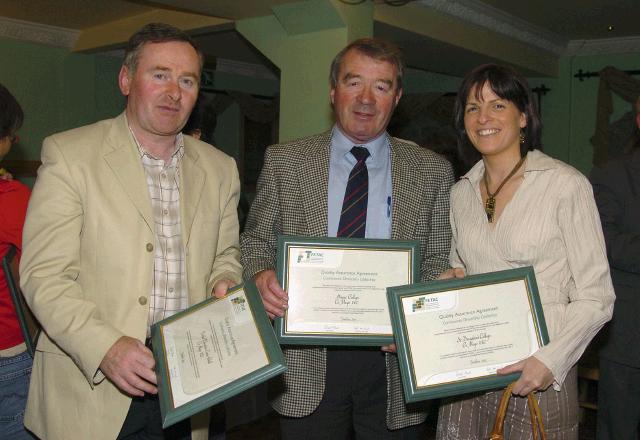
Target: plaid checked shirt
<point>169,288</point>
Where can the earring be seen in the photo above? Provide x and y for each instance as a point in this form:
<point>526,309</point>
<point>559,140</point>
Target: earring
<point>522,138</point>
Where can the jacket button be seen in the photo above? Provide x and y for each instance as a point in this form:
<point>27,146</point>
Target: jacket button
<point>149,247</point>
<point>142,300</point>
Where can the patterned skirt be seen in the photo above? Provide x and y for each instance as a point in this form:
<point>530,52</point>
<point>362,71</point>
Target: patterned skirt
<point>471,417</point>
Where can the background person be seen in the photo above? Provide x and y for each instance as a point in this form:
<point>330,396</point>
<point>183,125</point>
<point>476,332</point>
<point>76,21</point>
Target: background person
<point>543,216</point>
<point>15,361</point>
<point>617,190</point>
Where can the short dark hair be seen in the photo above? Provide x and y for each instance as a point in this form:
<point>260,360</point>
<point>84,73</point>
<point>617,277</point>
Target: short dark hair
<point>155,33</point>
<point>508,84</point>
<point>11,114</point>
<point>375,48</point>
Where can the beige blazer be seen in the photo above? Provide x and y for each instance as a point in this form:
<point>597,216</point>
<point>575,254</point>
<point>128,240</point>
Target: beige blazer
<point>87,263</point>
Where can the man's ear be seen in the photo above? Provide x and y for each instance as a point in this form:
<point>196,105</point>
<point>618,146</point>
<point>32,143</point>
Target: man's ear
<point>124,81</point>
<point>398,96</point>
<point>332,94</point>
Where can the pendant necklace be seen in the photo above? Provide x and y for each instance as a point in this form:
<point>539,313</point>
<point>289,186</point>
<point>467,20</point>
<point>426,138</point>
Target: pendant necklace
<point>490,204</point>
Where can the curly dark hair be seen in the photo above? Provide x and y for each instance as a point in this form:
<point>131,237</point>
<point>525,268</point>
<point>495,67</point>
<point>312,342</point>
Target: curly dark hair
<point>11,114</point>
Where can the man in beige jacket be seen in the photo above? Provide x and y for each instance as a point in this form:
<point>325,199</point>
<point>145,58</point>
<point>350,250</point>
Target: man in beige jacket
<point>130,222</point>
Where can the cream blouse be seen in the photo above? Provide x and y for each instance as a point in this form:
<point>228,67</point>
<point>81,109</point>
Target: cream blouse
<point>552,224</point>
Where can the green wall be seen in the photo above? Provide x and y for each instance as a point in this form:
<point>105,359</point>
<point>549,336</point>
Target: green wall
<point>57,90</point>
<point>60,90</point>
<point>569,109</point>
<point>419,81</point>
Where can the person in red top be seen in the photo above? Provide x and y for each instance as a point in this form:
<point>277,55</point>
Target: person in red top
<point>15,362</point>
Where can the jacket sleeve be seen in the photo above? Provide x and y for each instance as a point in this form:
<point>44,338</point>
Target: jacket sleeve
<point>259,239</point>
<point>591,298</point>
<point>226,264</point>
<point>50,267</point>
<point>438,241</point>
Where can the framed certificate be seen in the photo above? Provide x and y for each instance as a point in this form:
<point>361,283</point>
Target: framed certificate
<point>337,288</point>
<point>453,335</point>
<point>29,325</point>
<point>213,351</point>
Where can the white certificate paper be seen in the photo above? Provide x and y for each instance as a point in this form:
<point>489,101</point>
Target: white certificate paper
<point>470,332</point>
<point>211,347</point>
<point>341,290</point>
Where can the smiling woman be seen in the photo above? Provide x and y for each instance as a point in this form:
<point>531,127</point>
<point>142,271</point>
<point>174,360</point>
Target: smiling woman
<point>518,207</point>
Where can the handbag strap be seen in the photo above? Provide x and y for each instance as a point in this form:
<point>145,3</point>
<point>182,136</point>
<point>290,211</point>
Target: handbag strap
<point>536,418</point>
<point>534,412</point>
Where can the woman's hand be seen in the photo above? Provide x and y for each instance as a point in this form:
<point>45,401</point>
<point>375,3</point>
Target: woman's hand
<point>535,376</point>
<point>456,272</point>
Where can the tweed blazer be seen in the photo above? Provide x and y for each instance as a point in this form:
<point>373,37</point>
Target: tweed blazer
<point>292,199</point>
<point>617,191</point>
<point>87,265</point>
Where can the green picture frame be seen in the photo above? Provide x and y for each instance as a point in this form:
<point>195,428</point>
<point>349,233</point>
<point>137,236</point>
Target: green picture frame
<point>335,274</point>
<point>241,309</point>
<point>29,325</point>
<point>448,345</point>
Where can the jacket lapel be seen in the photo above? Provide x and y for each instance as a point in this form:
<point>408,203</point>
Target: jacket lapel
<point>313,180</point>
<point>406,192</point>
<point>192,179</point>
<point>124,161</point>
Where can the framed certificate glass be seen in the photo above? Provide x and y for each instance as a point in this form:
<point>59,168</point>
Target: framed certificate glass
<point>337,288</point>
<point>453,335</point>
<point>29,325</point>
<point>213,351</point>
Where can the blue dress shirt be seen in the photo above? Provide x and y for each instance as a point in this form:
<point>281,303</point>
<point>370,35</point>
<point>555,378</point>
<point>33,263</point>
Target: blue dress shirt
<point>341,161</point>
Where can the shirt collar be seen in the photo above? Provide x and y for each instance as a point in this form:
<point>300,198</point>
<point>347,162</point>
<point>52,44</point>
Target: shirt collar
<point>178,147</point>
<point>343,144</point>
<point>536,161</point>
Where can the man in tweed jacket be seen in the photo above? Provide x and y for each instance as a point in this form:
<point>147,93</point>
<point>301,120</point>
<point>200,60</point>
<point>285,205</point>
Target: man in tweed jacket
<point>329,393</point>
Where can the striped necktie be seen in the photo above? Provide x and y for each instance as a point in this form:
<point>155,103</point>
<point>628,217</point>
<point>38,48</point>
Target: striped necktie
<point>353,218</point>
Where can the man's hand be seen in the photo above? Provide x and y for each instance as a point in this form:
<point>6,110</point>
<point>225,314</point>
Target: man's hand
<point>456,272</point>
<point>221,287</point>
<point>535,376</point>
<point>129,365</point>
<point>275,299</point>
